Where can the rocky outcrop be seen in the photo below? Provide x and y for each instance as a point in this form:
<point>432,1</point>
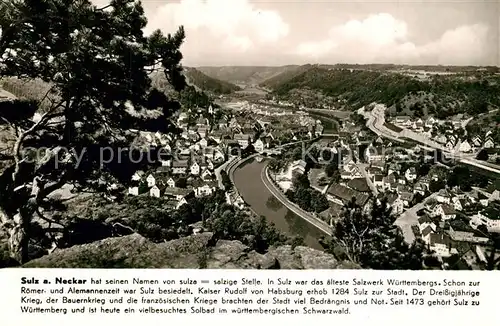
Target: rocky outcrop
<point>196,251</point>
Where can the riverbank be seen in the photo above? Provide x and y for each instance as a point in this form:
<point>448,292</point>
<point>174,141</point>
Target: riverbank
<point>308,217</point>
<point>248,182</point>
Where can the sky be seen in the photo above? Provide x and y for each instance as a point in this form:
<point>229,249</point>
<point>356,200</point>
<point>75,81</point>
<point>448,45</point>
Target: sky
<point>279,32</point>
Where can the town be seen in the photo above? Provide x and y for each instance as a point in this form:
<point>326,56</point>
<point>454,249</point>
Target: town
<point>127,143</point>
<point>452,207</point>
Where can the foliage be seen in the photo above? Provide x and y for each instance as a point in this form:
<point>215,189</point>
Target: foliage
<point>436,185</point>
<point>482,155</point>
<point>98,65</point>
<point>226,181</point>
<point>307,198</point>
<point>373,241</point>
<point>465,178</point>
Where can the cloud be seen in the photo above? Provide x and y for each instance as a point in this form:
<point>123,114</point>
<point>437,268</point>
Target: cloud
<point>383,38</point>
<point>235,25</point>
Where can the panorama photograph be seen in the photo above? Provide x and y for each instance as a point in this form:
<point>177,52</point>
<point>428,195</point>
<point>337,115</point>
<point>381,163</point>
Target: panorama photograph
<point>241,134</point>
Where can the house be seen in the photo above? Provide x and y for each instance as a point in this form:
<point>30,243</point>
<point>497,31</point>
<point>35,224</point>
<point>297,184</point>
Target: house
<point>489,143</point>
<point>443,196</point>
<point>426,234</point>
<point>235,200</point>
<point>133,191</point>
<point>393,168</point>
<point>265,121</point>
<point>210,109</point>
<point>205,189</point>
<point>343,195</point>
<point>467,236</point>
<point>403,120</point>
<point>374,153</point>
<point>388,181</point>
<point>138,175</point>
<point>457,203</point>
<point>349,165</point>
<point>155,191</point>
<point>318,130</point>
<point>429,123</point>
<point>419,188</point>
<point>445,211</point>
<point>359,184</point>
<point>206,175</point>
<point>259,145</point>
<point>202,122</point>
<point>151,180</point>
<point>219,155</point>
<point>298,167</point>
<point>478,197</point>
<point>450,145</point>
<point>395,202</point>
<point>477,141</point>
<point>465,147</point>
<point>441,244</point>
<point>406,197</point>
<point>203,142</point>
<point>490,217</point>
<point>178,193</point>
<point>243,140</point>
<point>180,167</point>
<point>424,222</point>
<point>202,131</point>
<point>441,139</point>
<point>195,168</point>
<point>378,180</point>
<point>166,163</point>
<point>372,171</point>
<point>354,173</point>
<point>411,174</point>
<point>171,183</point>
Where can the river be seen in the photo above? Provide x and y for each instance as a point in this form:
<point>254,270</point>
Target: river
<point>247,179</point>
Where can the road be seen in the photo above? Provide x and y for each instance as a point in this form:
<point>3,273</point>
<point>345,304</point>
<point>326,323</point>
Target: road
<point>376,120</point>
<point>409,218</point>
<point>322,226</point>
<point>362,168</point>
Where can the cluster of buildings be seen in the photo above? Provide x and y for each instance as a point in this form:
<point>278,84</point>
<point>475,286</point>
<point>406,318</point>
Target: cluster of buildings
<point>458,223</point>
<point>209,139</point>
<point>450,221</point>
<point>446,133</point>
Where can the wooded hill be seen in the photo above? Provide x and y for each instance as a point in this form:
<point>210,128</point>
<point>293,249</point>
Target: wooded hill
<point>285,76</point>
<point>441,95</point>
<point>244,74</point>
<point>209,84</point>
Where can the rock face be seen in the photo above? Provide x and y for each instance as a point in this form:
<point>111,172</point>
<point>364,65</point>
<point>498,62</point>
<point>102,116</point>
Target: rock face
<point>196,251</point>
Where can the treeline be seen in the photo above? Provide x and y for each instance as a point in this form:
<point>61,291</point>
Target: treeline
<point>285,76</point>
<point>307,198</point>
<point>355,88</point>
<point>150,217</point>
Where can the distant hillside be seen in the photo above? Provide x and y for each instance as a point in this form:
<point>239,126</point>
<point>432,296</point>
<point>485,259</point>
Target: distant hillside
<point>285,76</point>
<point>209,84</point>
<point>244,74</point>
<point>441,95</point>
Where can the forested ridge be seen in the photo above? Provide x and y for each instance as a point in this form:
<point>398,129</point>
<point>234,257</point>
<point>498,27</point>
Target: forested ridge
<point>442,95</point>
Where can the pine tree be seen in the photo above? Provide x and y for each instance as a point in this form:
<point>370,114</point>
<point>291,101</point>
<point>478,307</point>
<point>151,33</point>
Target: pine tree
<point>97,63</point>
